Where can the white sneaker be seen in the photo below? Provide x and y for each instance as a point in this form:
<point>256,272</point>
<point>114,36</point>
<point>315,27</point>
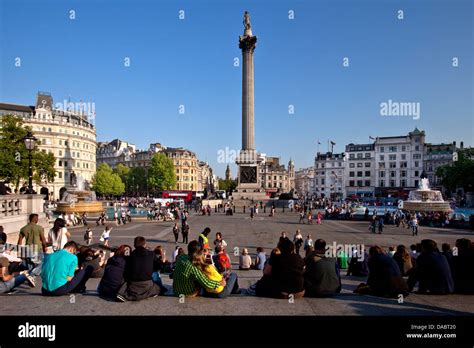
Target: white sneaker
<point>31,280</point>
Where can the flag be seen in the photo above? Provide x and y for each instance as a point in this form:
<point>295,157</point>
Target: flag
<point>371,137</point>
<point>319,143</point>
<point>333,143</point>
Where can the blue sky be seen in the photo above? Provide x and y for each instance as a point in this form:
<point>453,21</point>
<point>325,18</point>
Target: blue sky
<point>297,62</point>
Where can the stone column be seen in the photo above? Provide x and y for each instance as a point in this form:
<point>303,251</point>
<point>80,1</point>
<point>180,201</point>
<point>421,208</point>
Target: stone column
<point>247,44</point>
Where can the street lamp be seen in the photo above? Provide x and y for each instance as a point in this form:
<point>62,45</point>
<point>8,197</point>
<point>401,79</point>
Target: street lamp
<point>30,142</point>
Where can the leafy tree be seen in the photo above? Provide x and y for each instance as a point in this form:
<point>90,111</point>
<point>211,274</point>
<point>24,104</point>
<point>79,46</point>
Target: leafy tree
<point>122,171</point>
<point>460,174</point>
<point>136,179</point>
<point>227,185</point>
<point>14,155</point>
<point>105,181</point>
<point>161,175</point>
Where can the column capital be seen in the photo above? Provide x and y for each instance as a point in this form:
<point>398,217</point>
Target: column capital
<point>247,43</point>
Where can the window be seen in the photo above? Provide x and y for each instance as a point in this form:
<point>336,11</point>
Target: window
<point>367,155</point>
<point>381,174</point>
<point>60,175</point>
<point>417,147</point>
<point>382,165</point>
<point>359,174</point>
<point>60,163</point>
<point>367,173</point>
<point>382,183</point>
<point>392,149</point>
<point>322,181</point>
<point>177,178</point>
<point>65,163</point>
<point>392,183</point>
<point>359,183</point>
<point>367,182</point>
<point>416,173</point>
<point>403,164</point>
<point>416,163</point>
<point>403,183</point>
<point>382,157</point>
<point>351,165</point>
<point>382,149</point>
<point>60,152</point>
<point>404,156</point>
<point>416,156</point>
<point>403,174</point>
<point>404,148</point>
<point>351,183</point>
<point>359,155</point>
<point>416,183</point>
<point>351,174</point>
<point>393,174</point>
<point>351,156</point>
<point>367,165</point>
<point>393,165</point>
<point>392,157</point>
<point>359,165</point>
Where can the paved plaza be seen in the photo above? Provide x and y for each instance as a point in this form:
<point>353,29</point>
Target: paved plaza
<point>239,231</point>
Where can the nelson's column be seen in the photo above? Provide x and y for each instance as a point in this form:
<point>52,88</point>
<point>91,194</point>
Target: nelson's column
<point>249,185</point>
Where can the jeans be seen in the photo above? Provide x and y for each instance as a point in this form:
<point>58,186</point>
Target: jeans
<point>185,238</point>
<point>231,287</point>
<point>12,283</point>
<point>76,284</point>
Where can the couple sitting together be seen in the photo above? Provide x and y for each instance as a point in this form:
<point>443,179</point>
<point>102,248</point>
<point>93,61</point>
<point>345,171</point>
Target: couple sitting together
<point>195,274</point>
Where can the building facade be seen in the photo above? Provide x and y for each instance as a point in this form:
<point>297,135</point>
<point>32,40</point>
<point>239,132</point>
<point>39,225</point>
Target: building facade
<point>359,174</point>
<point>329,175</point>
<point>274,177</point>
<point>110,152</point>
<point>435,156</point>
<point>398,163</point>
<point>304,182</point>
<point>68,135</point>
<point>191,174</point>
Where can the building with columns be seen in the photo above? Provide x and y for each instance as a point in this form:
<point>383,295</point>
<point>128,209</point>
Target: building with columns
<point>68,135</point>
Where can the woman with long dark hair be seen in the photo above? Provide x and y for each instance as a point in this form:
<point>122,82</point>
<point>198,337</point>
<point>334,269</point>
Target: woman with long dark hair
<point>113,273</point>
<point>58,235</point>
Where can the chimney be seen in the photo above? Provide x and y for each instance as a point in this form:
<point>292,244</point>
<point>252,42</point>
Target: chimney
<point>454,144</point>
<point>462,145</point>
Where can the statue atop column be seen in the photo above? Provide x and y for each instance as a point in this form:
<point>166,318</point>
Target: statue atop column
<point>247,25</point>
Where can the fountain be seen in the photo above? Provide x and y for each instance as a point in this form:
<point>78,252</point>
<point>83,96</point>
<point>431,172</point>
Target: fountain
<point>425,199</point>
<point>78,199</point>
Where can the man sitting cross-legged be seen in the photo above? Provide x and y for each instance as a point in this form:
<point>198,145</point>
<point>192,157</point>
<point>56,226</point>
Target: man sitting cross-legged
<point>58,269</point>
<point>139,268</point>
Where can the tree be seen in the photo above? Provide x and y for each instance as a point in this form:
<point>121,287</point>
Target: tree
<point>14,155</point>
<point>136,179</point>
<point>161,175</point>
<point>460,174</point>
<point>105,181</point>
<point>122,171</point>
<point>227,185</point>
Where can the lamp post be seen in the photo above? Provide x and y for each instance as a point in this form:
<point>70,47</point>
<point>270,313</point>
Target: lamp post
<point>30,142</point>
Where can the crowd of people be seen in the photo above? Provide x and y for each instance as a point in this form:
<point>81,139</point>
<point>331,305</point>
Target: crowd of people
<point>205,268</point>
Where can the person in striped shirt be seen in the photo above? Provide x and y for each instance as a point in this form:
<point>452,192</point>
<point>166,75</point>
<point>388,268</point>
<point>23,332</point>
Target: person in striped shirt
<point>187,278</point>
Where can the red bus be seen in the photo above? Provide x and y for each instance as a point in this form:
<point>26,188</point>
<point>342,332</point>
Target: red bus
<point>187,196</point>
